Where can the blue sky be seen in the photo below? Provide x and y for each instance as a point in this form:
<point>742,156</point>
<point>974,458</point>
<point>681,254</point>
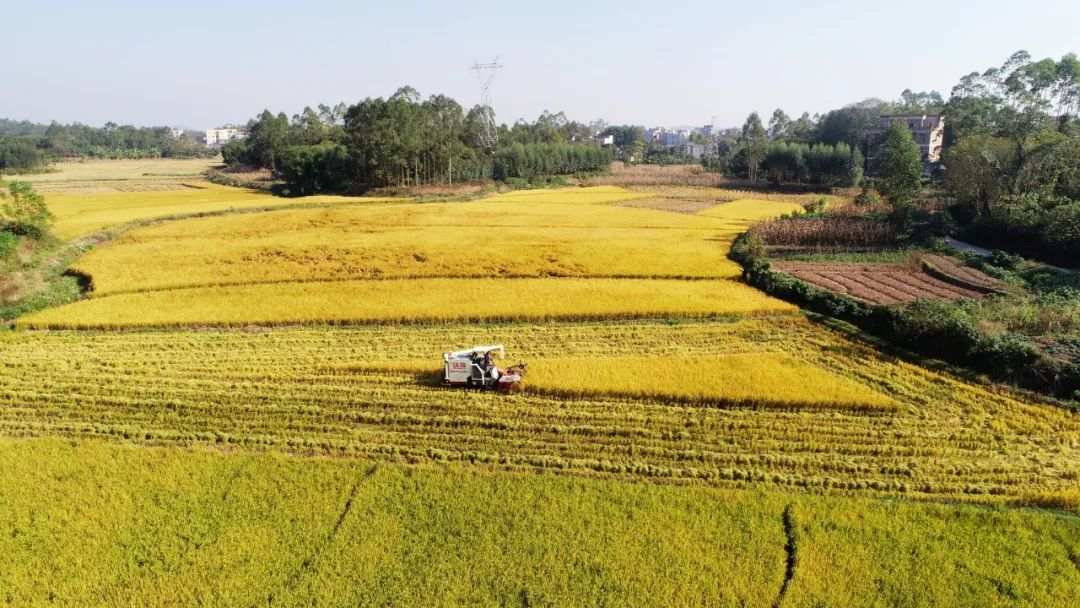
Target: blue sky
<point>198,63</point>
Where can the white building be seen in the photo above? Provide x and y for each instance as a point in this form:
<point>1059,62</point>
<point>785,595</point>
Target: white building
<point>215,138</point>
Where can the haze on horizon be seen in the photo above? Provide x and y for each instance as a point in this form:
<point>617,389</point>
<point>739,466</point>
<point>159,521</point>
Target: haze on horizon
<point>200,64</point>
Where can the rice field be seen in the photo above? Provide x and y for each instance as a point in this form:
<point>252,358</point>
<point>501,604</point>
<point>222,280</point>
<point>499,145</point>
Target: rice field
<point>565,254</point>
<point>409,301</point>
<point>753,379</point>
<point>463,240</point>
<point>269,426</point>
<point>105,176</point>
<point>122,525</point>
<point>83,214</point>
<point>316,391</point>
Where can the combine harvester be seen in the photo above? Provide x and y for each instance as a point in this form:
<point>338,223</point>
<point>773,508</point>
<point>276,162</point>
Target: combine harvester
<point>476,368</point>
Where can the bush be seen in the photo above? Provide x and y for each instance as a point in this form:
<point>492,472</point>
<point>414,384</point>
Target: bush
<point>817,206</point>
<point>24,211</point>
<point>1004,260</point>
<point>939,329</point>
<point>1033,224</point>
<point>8,242</point>
<point>868,198</point>
<point>1061,232</point>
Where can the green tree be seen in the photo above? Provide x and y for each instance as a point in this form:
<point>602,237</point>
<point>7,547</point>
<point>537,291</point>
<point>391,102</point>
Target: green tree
<point>779,124</point>
<point>851,123</point>
<point>855,168</point>
<point>312,169</point>
<point>901,166</point>
<point>754,141</point>
<point>268,136</point>
<point>979,166</point>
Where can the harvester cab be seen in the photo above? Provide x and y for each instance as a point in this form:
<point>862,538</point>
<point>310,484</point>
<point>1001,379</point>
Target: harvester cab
<point>477,368</point>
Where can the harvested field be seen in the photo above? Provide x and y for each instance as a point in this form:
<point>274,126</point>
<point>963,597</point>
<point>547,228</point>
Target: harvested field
<point>656,175</point>
<point>951,270</point>
<point>294,390</point>
<point>675,205</point>
<point>105,176</point>
<point>876,283</point>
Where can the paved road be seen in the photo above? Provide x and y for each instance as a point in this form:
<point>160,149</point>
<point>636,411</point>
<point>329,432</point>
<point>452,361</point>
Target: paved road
<point>963,247</point>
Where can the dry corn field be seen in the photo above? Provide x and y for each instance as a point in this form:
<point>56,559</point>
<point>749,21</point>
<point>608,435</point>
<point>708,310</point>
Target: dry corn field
<point>247,408</point>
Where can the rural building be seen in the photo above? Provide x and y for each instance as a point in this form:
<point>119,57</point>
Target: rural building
<point>927,129</point>
<point>215,138</point>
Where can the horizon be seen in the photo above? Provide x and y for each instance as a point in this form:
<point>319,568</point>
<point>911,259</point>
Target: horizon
<point>147,65</point>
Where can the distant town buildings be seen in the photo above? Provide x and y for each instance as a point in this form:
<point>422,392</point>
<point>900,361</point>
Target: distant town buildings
<point>691,150</point>
<point>669,138</point>
<point>927,129</point>
<point>215,138</point>
<point>176,132</point>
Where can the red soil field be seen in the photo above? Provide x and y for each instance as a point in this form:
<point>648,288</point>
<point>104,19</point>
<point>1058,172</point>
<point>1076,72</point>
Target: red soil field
<point>876,283</point>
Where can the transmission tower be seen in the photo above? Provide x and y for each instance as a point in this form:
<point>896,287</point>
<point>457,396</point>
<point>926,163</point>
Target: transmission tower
<point>486,73</point>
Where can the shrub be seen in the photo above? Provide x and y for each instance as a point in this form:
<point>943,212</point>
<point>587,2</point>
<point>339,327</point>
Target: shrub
<point>8,242</point>
<point>24,211</point>
<point>868,198</point>
<point>1061,233</point>
<point>1004,260</point>
<point>816,206</point>
<point>939,329</point>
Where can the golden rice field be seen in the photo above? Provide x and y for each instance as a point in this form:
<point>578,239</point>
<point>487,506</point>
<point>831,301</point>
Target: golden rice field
<point>270,427</point>
<point>525,258</point>
<point>316,391</point>
<point>409,301</point>
<point>117,525</point>
<point>753,378</point>
<point>82,214</point>
<point>129,175</point>
<point>473,240</point>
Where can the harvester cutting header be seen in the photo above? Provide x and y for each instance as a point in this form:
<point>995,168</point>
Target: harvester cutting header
<point>476,368</point>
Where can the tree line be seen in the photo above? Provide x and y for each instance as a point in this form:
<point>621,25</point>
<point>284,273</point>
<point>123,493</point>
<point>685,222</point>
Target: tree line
<point>27,146</point>
<point>1013,157</point>
<point>405,140</point>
